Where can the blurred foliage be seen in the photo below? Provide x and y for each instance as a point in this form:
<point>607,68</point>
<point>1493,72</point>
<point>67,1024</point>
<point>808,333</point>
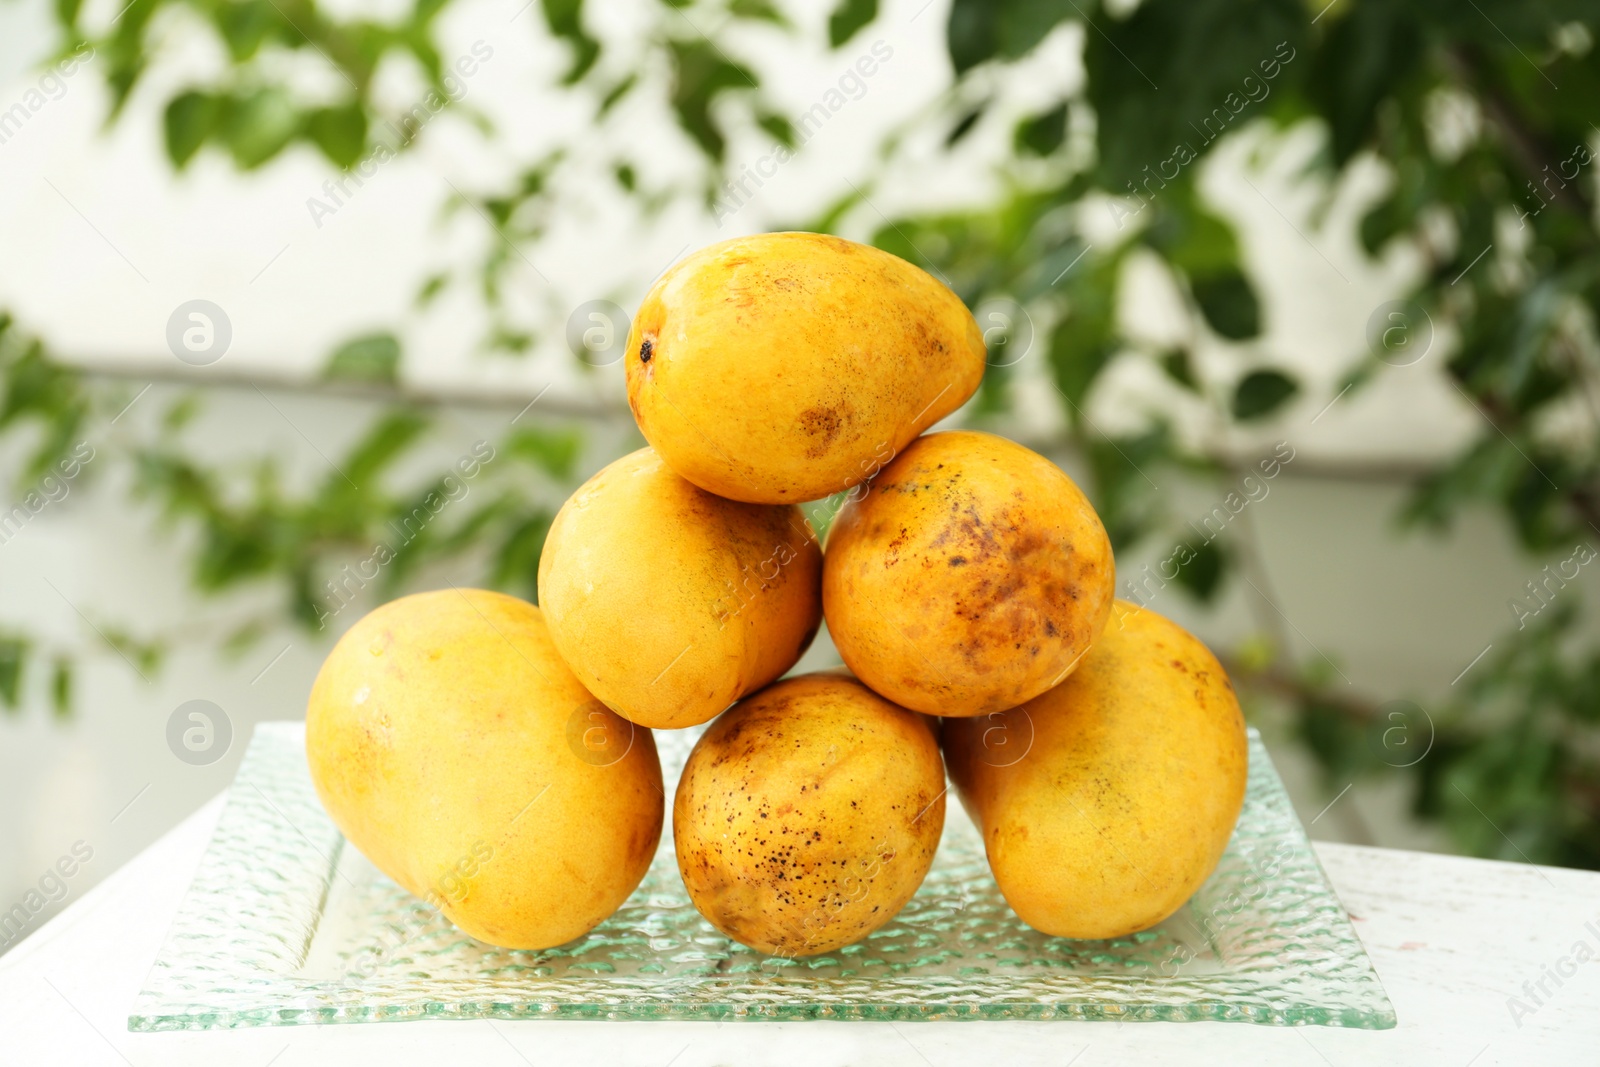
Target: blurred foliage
<point>353,530</point>
<point>43,409</point>
<point>1481,117</point>
<point>40,396</point>
<point>252,112</point>
<point>371,358</point>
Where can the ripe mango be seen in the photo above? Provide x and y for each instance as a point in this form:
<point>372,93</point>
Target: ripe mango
<point>451,745</point>
<point>785,367</point>
<point>670,603</point>
<point>971,576</point>
<point>1107,801</point>
<point>808,815</point>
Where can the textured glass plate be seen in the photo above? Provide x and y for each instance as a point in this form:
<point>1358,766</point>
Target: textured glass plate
<point>285,924</point>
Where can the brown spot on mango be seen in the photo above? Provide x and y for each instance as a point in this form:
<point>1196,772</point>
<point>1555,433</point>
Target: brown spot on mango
<point>821,425</point>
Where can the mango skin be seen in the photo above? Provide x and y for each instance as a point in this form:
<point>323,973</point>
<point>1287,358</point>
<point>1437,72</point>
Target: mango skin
<point>669,603</point>
<point>970,577</point>
<point>1108,801</point>
<point>441,734</point>
<point>808,815</point>
<point>785,367</point>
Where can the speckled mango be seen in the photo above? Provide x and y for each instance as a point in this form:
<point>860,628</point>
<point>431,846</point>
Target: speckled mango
<point>451,745</point>
<point>808,815</point>
<point>785,367</point>
<point>669,603</point>
<point>971,576</point>
<point>1107,802</point>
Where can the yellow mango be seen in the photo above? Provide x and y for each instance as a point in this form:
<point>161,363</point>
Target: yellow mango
<point>785,367</point>
<point>969,577</point>
<point>808,815</point>
<point>451,745</point>
<point>1107,802</point>
<point>670,603</point>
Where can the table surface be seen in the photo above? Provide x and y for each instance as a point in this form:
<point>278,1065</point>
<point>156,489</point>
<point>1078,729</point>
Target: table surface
<point>1454,941</point>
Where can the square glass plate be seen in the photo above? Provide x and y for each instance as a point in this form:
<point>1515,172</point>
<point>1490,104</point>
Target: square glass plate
<point>285,924</point>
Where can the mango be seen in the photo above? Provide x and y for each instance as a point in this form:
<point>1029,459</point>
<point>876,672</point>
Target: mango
<point>451,745</point>
<point>1106,802</point>
<point>670,603</point>
<point>970,576</point>
<point>785,367</point>
<point>808,815</point>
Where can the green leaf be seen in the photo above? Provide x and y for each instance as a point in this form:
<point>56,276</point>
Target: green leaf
<point>61,687</point>
<point>1180,368</point>
<point>190,118</point>
<point>1386,220</point>
<point>1202,575</point>
<point>145,656</point>
<point>468,534</point>
<point>834,213</point>
<point>516,563</point>
<point>430,289</point>
<point>781,129</point>
<point>760,11</point>
<point>1191,237</point>
<point>565,19</point>
<point>1202,245</point>
<point>701,74</point>
<point>388,438</point>
<point>1228,302</point>
<point>1086,338</point>
<point>1171,78</point>
<point>246,24</point>
<point>13,652</point>
<point>848,18</point>
<point>972,33</point>
<point>1080,349</point>
<point>552,451</point>
<point>371,358</point>
<point>979,30</point>
<point>37,389</point>
<point>1262,392</point>
<point>965,123</point>
<point>1042,134</point>
<point>1338,740</point>
<point>1367,53</point>
<point>258,126</point>
<point>615,94</point>
<point>1510,471</point>
<point>424,11</point>
<point>503,338</point>
<point>181,412</point>
<point>341,133</point>
<point>1125,493</point>
<point>244,638</point>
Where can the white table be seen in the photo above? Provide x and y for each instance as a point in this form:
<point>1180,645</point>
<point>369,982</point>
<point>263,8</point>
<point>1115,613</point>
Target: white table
<point>1452,939</point>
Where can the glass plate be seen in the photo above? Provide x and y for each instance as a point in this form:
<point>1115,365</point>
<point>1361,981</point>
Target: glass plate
<point>285,924</point>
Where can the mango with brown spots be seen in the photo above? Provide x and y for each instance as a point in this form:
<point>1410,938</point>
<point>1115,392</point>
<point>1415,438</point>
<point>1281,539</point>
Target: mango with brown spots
<point>1106,802</point>
<point>808,815</point>
<point>668,602</point>
<point>971,576</point>
<point>785,367</point>
<point>451,745</point>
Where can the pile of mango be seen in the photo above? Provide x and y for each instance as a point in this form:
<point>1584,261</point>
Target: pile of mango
<point>496,758</point>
